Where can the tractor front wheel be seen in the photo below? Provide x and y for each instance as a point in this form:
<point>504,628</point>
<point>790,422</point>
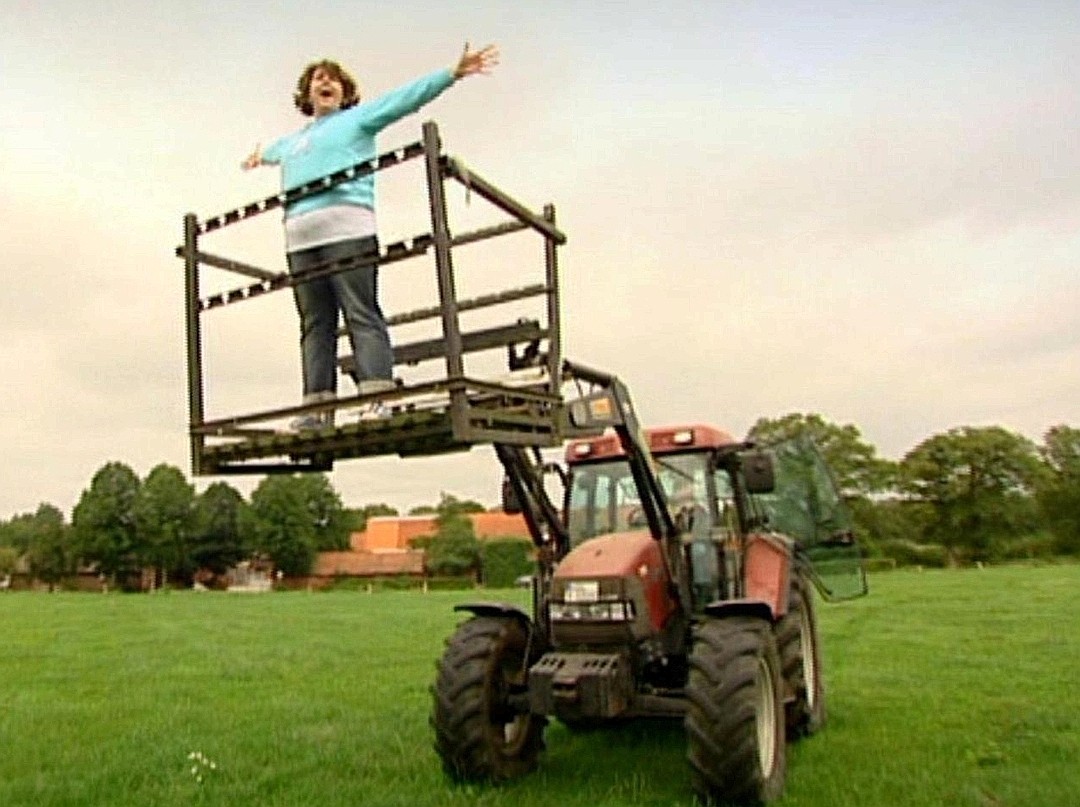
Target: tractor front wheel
<point>735,717</point>
<point>479,733</point>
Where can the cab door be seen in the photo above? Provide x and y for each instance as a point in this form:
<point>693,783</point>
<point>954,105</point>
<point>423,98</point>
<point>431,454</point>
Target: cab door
<point>806,506</point>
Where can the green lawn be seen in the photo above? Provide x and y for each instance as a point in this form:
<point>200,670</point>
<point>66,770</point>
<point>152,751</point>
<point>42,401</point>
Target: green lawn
<point>945,688</point>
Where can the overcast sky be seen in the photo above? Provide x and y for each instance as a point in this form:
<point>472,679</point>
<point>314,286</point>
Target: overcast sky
<point>866,210</point>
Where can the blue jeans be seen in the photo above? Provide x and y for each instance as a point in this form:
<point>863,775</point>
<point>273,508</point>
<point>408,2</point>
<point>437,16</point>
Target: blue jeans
<point>353,292</point>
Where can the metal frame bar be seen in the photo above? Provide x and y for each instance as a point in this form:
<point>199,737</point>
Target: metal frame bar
<point>413,353</point>
<point>223,426</point>
<point>444,269</point>
<point>477,184</point>
<point>231,426</point>
<point>551,279</point>
<point>194,340</point>
<point>311,188</point>
<point>274,281</point>
<point>484,301</point>
<point>541,514</point>
<point>230,265</point>
<point>398,251</point>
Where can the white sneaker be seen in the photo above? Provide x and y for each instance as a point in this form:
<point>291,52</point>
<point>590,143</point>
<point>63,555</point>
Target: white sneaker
<point>314,420</point>
<point>371,385</point>
<point>307,423</point>
<point>373,411</point>
<point>376,410</point>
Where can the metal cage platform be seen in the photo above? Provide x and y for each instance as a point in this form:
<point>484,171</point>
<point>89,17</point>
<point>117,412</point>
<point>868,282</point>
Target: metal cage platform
<point>453,413</point>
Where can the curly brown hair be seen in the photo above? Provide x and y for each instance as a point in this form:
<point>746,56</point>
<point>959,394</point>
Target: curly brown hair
<point>350,89</point>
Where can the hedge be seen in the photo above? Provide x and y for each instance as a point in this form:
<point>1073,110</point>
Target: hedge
<point>504,560</point>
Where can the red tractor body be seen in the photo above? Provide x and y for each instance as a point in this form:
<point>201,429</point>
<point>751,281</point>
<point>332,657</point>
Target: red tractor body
<point>674,581</point>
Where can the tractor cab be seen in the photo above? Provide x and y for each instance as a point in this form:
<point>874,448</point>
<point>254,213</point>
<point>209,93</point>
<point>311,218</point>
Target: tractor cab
<point>721,495</point>
<point>602,498</point>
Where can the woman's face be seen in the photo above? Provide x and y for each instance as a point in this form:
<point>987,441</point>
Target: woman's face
<point>325,93</point>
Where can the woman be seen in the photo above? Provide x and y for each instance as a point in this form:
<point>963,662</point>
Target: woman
<point>339,223</point>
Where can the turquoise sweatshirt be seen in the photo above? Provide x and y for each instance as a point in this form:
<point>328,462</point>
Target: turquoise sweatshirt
<point>344,138</point>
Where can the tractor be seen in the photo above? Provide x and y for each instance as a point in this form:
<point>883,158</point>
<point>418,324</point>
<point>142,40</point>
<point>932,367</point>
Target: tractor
<point>675,581</point>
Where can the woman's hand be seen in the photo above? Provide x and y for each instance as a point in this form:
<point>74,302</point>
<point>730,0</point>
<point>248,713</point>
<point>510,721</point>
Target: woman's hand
<point>476,61</point>
<point>253,160</point>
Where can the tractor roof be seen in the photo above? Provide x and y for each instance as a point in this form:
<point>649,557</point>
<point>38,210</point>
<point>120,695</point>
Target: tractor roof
<point>662,440</point>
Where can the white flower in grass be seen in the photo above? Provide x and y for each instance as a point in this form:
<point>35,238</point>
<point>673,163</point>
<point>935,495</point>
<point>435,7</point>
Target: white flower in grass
<point>202,764</point>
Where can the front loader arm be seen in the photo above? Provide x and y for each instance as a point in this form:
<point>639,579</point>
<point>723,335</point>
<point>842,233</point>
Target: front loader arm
<point>611,407</point>
<point>525,474</point>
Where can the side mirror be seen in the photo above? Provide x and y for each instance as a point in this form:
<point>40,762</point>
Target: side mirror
<point>510,503</point>
<point>758,472</point>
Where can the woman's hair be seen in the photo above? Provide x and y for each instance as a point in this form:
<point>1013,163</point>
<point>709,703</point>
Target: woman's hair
<point>350,91</point>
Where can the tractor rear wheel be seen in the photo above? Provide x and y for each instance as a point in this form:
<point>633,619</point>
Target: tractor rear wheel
<point>800,659</point>
<point>735,717</point>
<point>479,735</point>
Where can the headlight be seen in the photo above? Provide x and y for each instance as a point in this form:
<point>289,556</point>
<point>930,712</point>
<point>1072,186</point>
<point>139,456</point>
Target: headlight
<point>592,612</point>
<point>582,591</point>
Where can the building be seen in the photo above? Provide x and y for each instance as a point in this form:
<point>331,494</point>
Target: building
<point>385,547</point>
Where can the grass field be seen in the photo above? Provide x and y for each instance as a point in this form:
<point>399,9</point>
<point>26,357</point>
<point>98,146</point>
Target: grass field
<point>945,688</point>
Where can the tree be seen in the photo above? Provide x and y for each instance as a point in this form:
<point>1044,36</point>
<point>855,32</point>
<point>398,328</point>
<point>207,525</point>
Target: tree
<point>853,461</point>
<point>9,560</point>
<point>17,533</point>
<point>361,516</point>
<point>104,522</point>
<point>1061,450</point>
<point>454,549</point>
<point>217,542</point>
<point>978,483</point>
<point>449,503</point>
<point>885,521</point>
<point>50,554</point>
<point>1059,493</point>
<point>328,517</point>
<point>43,540</point>
<point>163,515</point>
<point>282,526</point>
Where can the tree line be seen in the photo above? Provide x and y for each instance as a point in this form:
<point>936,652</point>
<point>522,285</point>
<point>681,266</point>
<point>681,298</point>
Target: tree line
<point>123,526</point>
<point>969,494</point>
